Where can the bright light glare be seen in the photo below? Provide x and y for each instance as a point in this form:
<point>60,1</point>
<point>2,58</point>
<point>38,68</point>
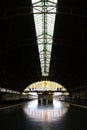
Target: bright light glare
<point>50,113</point>
<point>34,93</point>
<point>57,93</point>
<point>44,17</point>
<point>46,86</point>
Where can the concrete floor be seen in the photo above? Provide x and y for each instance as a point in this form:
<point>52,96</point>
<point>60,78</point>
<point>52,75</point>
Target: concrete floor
<point>32,116</point>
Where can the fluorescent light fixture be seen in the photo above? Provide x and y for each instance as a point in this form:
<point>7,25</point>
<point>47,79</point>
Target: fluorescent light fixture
<point>44,12</point>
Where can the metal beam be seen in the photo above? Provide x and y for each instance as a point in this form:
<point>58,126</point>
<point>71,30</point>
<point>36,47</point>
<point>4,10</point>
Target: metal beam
<point>64,10</point>
<point>50,91</point>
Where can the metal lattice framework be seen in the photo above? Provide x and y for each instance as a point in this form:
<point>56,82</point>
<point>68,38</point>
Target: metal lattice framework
<point>42,86</point>
<point>44,12</point>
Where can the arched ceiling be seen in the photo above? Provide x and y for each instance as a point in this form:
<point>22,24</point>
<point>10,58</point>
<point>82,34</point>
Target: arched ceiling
<point>19,58</point>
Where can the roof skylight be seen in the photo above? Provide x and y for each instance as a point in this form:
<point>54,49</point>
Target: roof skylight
<point>44,12</point>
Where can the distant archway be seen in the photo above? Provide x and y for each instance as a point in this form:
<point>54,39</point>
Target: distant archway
<point>46,86</point>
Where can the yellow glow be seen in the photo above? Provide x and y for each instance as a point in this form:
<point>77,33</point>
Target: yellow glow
<point>66,94</point>
<point>45,86</point>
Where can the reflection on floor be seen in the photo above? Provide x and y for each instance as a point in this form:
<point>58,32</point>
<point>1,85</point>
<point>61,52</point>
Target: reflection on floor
<point>45,112</point>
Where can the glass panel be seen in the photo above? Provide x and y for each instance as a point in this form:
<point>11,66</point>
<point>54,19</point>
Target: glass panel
<point>35,1</point>
<point>53,1</point>
<point>44,25</point>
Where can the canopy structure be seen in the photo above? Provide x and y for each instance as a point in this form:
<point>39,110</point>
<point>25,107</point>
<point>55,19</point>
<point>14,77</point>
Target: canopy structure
<point>45,86</point>
<point>43,40</point>
<point>44,12</point>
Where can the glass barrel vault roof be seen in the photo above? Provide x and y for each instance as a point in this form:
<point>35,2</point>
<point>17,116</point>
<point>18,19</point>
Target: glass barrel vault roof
<point>44,12</point>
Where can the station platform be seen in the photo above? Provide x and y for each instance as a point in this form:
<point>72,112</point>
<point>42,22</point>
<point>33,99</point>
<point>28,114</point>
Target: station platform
<point>33,116</point>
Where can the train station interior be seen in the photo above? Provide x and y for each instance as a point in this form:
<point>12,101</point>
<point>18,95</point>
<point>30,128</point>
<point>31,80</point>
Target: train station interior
<point>43,64</point>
